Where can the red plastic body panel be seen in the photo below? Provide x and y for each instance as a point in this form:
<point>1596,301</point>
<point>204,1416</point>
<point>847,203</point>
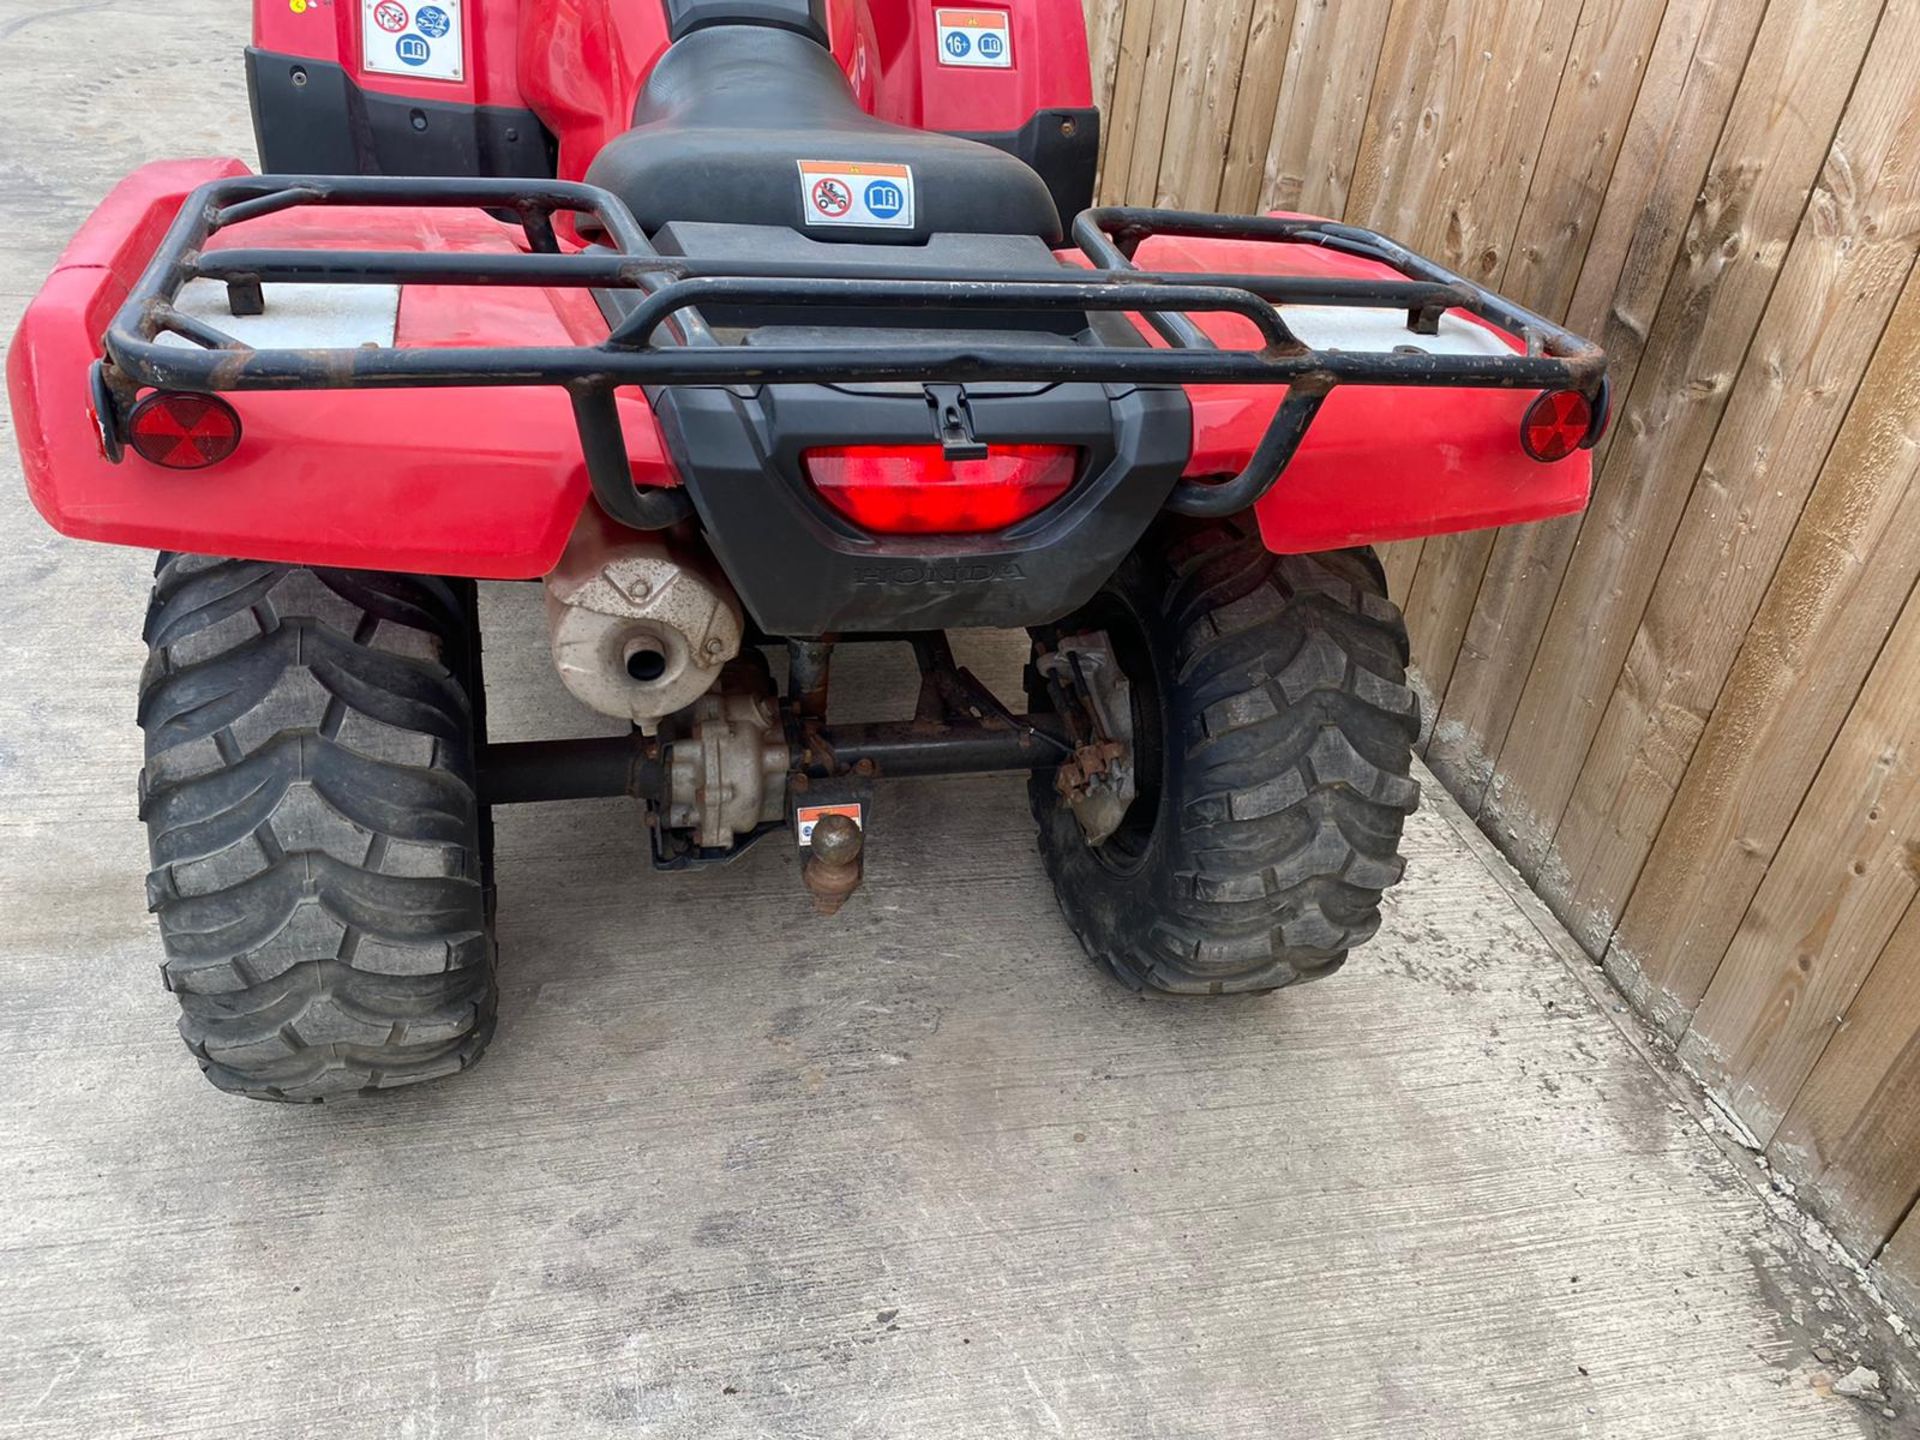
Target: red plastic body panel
<point>582,63</point>
<point>1048,69</point>
<point>330,30</point>
<point>479,482</point>
<point>579,64</point>
<point>1379,463</point>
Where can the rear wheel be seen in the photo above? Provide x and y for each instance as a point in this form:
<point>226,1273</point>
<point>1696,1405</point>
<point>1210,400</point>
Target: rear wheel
<point>320,856</point>
<point>1273,732</point>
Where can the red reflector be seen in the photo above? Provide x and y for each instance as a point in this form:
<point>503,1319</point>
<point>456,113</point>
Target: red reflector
<point>916,490</point>
<point>183,431</point>
<point>1556,424</point>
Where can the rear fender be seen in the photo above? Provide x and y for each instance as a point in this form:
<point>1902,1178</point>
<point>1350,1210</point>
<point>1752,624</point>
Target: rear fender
<point>1379,463</point>
<point>482,482</point>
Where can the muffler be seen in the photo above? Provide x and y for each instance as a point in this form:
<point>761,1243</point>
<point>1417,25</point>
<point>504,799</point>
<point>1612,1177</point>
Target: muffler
<point>641,628</point>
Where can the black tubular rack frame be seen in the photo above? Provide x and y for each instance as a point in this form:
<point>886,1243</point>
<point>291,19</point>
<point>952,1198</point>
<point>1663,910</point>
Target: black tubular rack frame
<point>664,342</point>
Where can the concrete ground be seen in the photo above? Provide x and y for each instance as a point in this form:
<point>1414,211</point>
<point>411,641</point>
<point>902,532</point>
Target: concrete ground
<point>730,1170</point>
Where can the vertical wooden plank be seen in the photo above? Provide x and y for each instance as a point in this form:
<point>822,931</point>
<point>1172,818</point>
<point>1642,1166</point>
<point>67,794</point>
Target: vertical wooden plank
<point>1206,82</point>
<point>1850,566</point>
<point>1104,19</point>
<point>1898,1270</point>
<point>1592,103</point>
<point>1120,126</point>
<point>1426,73</point>
<point>1844,876</point>
<point>1261,73</point>
<point>1698,58</point>
<point>1847,268</point>
<point>1851,1142</point>
<point>1442,595</point>
<point>1456,124</point>
<point>1135,181</point>
<point>1751,206</point>
<point>1325,90</point>
<point>1439,600</point>
<point>1592,110</point>
<point>1400,560</point>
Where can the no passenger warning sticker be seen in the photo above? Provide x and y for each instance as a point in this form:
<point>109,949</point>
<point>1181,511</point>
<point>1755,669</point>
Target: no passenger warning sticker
<point>976,38</point>
<point>843,192</point>
<point>412,37</point>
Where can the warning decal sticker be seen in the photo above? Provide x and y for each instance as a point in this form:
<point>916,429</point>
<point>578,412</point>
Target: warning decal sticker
<point>412,37</point>
<point>808,816</point>
<point>973,37</point>
<point>843,192</point>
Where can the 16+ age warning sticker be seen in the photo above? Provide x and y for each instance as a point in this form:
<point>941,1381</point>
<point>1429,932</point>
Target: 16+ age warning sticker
<point>974,37</point>
<point>842,192</point>
<point>412,37</point>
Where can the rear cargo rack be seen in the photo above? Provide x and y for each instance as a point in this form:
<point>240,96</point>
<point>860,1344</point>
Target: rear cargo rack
<point>662,341</point>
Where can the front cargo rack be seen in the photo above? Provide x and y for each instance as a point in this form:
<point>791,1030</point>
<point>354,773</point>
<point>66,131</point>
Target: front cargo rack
<point>662,341</point>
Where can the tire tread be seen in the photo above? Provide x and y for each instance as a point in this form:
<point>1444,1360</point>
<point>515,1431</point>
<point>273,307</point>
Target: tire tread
<point>1294,729</point>
<point>316,838</point>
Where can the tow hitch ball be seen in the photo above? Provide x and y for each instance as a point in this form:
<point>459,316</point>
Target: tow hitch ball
<point>833,870</point>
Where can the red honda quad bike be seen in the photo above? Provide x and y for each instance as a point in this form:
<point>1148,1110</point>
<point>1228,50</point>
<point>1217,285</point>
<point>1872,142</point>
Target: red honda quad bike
<point>747,328</point>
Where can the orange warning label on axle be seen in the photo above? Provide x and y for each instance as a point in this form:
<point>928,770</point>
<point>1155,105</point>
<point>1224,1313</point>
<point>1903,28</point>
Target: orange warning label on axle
<point>805,817</point>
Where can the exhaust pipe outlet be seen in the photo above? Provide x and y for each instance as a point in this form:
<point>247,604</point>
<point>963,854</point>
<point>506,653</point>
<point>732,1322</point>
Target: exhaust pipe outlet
<point>640,628</point>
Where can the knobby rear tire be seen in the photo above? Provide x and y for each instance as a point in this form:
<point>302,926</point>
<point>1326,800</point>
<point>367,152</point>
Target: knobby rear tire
<point>321,865</point>
<point>1278,706</point>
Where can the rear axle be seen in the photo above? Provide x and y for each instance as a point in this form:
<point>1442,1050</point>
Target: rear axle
<point>523,771</point>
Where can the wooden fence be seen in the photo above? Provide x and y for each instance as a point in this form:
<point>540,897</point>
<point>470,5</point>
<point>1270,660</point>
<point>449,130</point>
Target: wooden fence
<point>1692,715</point>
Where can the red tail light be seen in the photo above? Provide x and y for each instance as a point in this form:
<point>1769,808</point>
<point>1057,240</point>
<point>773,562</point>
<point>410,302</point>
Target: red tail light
<point>916,490</point>
<point>1556,424</point>
<point>183,431</point>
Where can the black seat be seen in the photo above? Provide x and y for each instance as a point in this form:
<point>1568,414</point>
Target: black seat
<point>730,110</point>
